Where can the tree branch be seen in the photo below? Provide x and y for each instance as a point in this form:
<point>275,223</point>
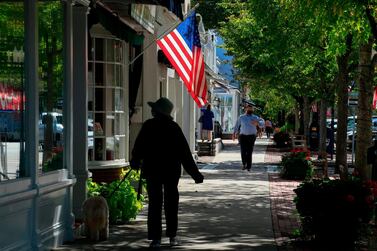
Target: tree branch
<point>372,21</point>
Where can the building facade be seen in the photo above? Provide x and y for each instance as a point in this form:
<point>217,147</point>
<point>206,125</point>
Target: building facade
<point>82,79</point>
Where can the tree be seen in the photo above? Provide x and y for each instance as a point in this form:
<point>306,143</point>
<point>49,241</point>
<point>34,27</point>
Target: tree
<point>51,65</point>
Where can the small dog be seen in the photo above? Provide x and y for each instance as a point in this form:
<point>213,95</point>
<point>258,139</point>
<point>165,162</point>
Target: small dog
<point>96,218</point>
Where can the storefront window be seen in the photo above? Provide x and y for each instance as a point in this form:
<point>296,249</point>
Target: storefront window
<point>11,90</point>
<point>50,19</point>
<point>106,107</point>
<point>223,114</point>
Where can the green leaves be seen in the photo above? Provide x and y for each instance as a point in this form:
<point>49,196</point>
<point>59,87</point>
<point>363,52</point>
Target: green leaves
<point>123,204</point>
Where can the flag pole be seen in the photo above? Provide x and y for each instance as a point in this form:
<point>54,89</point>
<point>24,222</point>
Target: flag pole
<point>167,31</point>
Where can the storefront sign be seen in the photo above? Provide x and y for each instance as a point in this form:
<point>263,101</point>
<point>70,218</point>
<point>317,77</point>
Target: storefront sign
<point>10,99</point>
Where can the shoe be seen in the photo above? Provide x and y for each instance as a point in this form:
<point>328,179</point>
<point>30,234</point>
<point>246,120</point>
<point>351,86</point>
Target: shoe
<point>173,242</point>
<point>243,167</point>
<point>155,244</point>
<point>248,169</point>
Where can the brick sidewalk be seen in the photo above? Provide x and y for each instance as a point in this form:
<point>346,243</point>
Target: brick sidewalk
<point>285,219</point>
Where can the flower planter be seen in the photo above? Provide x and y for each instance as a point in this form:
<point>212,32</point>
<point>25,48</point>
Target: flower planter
<point>296,165</point>
<point>335,211</point>
<point>107,175</point>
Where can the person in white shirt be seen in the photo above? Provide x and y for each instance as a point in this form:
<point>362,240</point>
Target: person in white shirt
<point>246,129</point>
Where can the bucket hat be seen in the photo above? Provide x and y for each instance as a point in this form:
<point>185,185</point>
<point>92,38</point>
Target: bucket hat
<point>162,105</point>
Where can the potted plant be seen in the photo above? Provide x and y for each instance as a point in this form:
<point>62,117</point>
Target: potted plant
<point>296,165</point>
<point>123,203</point>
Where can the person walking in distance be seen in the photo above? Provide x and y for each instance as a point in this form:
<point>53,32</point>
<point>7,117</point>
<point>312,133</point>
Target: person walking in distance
<point>246,129</point>
<point>269,128</point>
<point>207,123</point>
<point>160,149</point>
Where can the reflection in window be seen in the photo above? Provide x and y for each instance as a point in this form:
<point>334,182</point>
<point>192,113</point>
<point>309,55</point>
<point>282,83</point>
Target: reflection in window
<point>11,90</point>
<point>51,85</point>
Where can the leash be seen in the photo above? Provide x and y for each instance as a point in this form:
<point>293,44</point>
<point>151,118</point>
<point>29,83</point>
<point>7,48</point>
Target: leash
<point>140,186</point>
<point>120,183</point>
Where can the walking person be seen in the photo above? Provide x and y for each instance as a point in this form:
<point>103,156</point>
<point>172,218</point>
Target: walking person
<point>246,129</point>
<point>269,128</point>
<point>160,149</point>
<point>261,127</point>
<point>207,123</point>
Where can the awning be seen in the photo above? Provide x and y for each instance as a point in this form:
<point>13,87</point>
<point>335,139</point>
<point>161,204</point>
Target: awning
<point>120,27</point>
<point>217,79</point>
<point>174,6</point>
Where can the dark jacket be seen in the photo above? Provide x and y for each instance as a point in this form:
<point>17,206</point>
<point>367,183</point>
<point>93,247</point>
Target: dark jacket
<point>162,148</point>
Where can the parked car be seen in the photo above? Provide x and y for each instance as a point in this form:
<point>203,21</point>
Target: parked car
<point>328,122</point>
<point>57,127</point>
<point>351,129</point>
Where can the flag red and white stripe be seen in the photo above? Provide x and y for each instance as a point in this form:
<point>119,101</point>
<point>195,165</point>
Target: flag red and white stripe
<point>188,62</point>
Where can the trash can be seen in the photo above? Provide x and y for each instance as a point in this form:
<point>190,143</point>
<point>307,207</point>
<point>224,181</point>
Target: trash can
<point>314,136</point>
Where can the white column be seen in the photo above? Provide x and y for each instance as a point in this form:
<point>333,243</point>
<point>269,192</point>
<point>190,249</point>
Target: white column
<point>30,163</point>
<point>193,122</point>
<point>80,100</point>
<point>186,112</point>
<point>171,93</point>
<point>179,111</point>
<point>68,113</point>
<point>126,101</point>
<point>150,76</point>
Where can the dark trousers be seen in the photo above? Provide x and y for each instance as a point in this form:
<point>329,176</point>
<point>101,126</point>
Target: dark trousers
<point>247,146</point>
<point>162,193</point>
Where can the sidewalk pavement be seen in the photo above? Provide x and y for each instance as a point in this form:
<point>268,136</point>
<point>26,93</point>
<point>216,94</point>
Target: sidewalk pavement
<point>229,211</point>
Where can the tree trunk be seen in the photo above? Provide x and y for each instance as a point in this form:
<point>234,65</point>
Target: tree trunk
<point>306,118</point>
<point>297,120</point>
<point>342,95</point>
<point>323,135</point>
<point>48,130</point>
<point>364,111</point>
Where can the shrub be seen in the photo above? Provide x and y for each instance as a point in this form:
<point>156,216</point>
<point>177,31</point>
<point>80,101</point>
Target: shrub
<point>296,165</point>
<point>123,204</point>
<point>335,211</point>
<point>282,139</point>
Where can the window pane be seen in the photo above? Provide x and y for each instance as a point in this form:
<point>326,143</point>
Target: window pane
<point>99,74</point>
<point>120,124</point>
<point>99,144</point>
<point>118,75</point>
<point>120,147</point>
<point>110,99</point>
<point>99,124</point>
<point>118,100</point>
<point>99,48</point>
<point>90,98</point>
<point>11,89</point>
<point>90,136</point>
<point>110,75</point>
<point>50,15</point>
<point>118,51</point>
<point>100,99</point>
<point>110,124</point>
<point>110,148</point>
<point>110,44</point>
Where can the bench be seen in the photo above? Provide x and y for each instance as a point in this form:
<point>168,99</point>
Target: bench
<point>298,141</point>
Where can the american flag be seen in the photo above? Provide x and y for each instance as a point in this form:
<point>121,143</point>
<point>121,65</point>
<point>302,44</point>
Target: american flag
<point>183,49</point>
